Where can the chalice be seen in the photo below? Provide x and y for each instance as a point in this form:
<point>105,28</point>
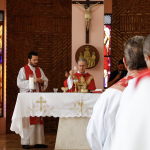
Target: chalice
<point>75,82</point>
<point>64,89</point>
<point>55,90</point>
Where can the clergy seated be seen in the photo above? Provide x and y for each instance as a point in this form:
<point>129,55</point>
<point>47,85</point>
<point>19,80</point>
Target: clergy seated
<point>117,74</point>
<point>84,79</point>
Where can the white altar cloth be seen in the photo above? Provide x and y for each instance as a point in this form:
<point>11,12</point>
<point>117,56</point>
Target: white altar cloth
<point>51,104</point>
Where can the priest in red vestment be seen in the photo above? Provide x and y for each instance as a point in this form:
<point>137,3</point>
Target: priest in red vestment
<point>85,80</point>
<point>32,127</point>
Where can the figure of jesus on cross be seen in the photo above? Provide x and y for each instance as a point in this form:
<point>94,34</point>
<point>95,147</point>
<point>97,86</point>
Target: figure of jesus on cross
<point>87,13</point>
<point>87,7</point>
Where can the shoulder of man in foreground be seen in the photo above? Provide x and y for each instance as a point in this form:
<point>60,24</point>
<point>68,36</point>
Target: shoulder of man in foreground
<point>136,113</point>
<point>102,118</point>
<point>144,73</point>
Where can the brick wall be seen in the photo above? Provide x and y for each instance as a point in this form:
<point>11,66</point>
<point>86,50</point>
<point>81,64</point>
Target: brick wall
<point>43,26</point>
<point>129,18</point>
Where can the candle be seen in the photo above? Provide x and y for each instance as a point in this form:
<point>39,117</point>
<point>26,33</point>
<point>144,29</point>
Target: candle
<point>31,82</point>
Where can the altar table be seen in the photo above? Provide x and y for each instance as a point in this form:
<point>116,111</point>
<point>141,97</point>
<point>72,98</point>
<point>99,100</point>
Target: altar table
<point>73,109</point>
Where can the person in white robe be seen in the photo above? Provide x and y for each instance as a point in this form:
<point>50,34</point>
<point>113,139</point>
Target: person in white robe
<point>132,132</point>
<point>125,98</point>
<point>133,120</point>
<point>34,134</point>
<point>99,130</point>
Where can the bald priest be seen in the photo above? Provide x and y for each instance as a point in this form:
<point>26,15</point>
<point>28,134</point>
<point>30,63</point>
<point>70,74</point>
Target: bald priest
<point>84,79</point>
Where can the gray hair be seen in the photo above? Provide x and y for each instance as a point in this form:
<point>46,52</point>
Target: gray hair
<point>84,60</point>
<point>133,51</point>
<point>146,46</point>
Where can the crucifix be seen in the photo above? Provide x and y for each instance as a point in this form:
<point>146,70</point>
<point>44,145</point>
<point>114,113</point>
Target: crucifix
<point>87,14</point>
<point>41,102</point>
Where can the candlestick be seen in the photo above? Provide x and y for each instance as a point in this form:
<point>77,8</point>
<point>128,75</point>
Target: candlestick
<point>31,82</point>
<point>75,82</point>
<point>31,91</point>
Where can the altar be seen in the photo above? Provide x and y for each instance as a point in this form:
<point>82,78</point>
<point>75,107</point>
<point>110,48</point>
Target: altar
<point>73,109</point>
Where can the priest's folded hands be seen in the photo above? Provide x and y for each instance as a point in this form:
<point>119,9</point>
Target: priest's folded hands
<point>39,80</point>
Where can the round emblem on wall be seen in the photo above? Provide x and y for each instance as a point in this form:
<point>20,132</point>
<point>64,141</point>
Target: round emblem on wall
<point>88,52</point>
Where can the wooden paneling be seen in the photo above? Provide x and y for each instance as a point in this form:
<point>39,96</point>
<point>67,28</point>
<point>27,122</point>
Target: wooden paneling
<point>43,26</point>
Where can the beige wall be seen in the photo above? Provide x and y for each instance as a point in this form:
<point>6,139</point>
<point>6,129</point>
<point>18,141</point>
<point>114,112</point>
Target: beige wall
<point>2,4</point>
<point>3,120</point>
<point>108,6</point>
<point>95,37</point>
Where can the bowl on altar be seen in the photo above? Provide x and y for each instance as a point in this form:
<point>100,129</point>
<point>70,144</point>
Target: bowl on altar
<point>64,89</point>
<point>84,90</point>
<point>55,90</point>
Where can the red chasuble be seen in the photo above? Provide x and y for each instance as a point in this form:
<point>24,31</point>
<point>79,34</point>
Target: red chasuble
<point>85,81</point>
<point>28,71</point>
<point>123,83</point>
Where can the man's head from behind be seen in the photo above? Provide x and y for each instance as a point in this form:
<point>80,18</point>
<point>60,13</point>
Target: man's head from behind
<point>33,59</point>
<point>121,66</point>
<point>133,51</point>
<point>146,50</point>
<point>82,65</point>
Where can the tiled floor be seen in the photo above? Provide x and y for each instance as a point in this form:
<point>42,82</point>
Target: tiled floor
<point>12,142</point>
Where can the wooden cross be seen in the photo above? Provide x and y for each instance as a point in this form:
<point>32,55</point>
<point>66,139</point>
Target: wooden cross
<point>88,3</point>
<point>41,102</point>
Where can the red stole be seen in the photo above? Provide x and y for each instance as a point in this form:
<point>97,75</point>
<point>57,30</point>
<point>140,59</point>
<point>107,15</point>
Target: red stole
<point>89,81</point>
<point>28,71</point>
<point>145,73</point>
<point>123,83</point>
